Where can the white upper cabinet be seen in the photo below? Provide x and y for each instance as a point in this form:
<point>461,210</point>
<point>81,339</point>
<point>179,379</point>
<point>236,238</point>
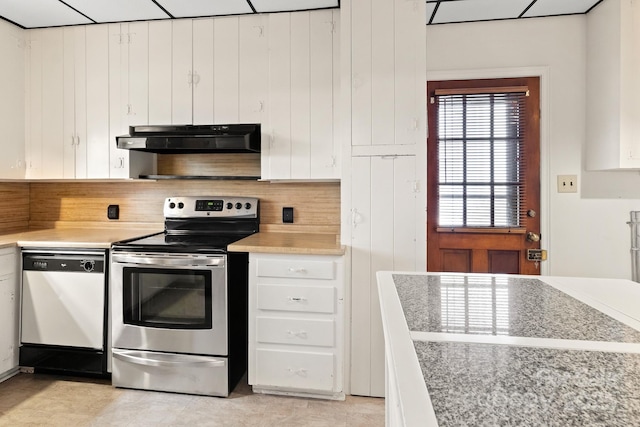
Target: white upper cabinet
<point>183,75</point>
<point>45,150</point>
<point>128,102</point>
<point>12,102</point>
<point>387,75</point>
<point>74,127</point>
<point>301,139</point>
<point>613,88</point>
<point>160,85</point>
<point>67,103</point>
<point>193,73</point>
<point>88,84</point>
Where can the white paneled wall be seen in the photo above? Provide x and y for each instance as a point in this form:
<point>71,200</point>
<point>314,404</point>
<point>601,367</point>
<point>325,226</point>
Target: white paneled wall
<point>383,197</point>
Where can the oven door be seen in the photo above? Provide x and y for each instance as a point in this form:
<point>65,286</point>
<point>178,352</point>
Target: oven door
<point>169,302</point>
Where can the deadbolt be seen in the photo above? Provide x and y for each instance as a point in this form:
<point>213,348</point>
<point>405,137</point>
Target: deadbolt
<point>533,237</point>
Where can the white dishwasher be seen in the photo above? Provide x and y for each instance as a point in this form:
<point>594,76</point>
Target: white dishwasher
<point>63,319</point>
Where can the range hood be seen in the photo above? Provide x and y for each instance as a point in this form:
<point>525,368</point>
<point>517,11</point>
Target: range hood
<point>184,139</point>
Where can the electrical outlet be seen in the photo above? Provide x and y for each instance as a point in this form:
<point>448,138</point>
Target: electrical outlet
<point>287,215</point>
<point>567,183</point>
<point>113,211</point>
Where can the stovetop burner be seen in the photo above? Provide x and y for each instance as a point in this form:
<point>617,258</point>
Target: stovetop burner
<point>200,225</point>
<point>164,242</point>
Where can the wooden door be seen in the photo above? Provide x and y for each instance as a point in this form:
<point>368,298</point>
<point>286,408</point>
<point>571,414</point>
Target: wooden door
<point>491,248</point>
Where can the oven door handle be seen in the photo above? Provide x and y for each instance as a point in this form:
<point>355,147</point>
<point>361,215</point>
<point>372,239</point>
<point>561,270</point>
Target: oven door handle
<point>169,361</point>
<point>168,261</point>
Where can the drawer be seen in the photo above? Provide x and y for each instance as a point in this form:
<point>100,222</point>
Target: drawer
<point>310,299</point>
<point>293,369</point>
<point>295,331</point>
<point>303,268</point>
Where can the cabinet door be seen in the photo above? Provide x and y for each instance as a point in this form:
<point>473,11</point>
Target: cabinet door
<point>300,95</point>
<point>387,82</point>
<point>160,34</point>
<point>118,100</point>
<point>12,103</point>
<point>138,73</point>
<point>303,89</point>
<point>69,122</point>
<point>226,70</point>
<point>182,72</point>
<point>253,59</point>
<point>52,139</point>
<point>276,149</point>
<point>9,298</point>
<point>96,164</point>
<point>33,132</point>
<point>383,238</point>
<point>203,71</point>
<point>321,84</point>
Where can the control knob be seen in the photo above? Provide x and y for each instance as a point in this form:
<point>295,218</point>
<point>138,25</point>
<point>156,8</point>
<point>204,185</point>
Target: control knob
<point>172,205</point>
<point>247,205</point>
<point>180,205</point>
<point>88,265</point>
<point>229,205</point>
<point>238,205</point>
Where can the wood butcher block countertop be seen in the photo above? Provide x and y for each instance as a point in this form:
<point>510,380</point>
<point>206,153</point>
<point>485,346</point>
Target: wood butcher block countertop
<point>290,243</point>
<point>89,238</point>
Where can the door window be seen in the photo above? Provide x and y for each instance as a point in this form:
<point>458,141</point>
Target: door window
<point>481,159</point>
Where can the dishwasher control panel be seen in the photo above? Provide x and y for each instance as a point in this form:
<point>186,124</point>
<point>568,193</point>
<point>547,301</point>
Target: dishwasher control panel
<point>74,262</point>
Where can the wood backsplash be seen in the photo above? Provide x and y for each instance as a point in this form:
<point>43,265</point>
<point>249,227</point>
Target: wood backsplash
<point>14,209</point>
<point>63,204</point>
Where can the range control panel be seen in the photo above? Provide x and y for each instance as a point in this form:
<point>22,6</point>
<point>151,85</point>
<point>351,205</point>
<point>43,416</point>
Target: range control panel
<point>211,206</point>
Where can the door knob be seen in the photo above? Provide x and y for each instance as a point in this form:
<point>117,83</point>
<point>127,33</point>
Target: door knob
<point>533,237</point>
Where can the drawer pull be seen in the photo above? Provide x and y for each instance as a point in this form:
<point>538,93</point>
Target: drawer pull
<point>297,270</point>
<point>297,299</point>
<point>299,372</point>
<point>300,334</point>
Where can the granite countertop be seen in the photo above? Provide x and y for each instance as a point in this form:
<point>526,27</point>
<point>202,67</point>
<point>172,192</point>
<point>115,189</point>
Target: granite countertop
<point>290,243</point>
<point>89,238</point>
<point>516,350</point>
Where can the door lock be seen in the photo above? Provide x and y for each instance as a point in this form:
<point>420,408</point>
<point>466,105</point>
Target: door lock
<point>533,237</point>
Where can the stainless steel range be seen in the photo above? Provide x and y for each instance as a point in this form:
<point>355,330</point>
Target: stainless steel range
<point>179,299</point>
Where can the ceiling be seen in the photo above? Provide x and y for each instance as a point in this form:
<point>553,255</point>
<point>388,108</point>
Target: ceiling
<point>449,11</point>
<point>54,13</point>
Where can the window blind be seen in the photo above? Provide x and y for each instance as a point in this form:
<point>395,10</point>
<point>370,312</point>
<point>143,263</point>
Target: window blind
<point>481,161</point>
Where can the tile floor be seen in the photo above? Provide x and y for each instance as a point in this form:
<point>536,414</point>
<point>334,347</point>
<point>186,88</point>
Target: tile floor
<point>48,400</point>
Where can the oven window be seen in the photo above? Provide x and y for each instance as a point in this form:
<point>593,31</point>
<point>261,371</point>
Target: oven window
<point>174,299</point>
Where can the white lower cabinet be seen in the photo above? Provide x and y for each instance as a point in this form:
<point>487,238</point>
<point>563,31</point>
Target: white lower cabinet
<point>296,325</point>
<point>9,297</point>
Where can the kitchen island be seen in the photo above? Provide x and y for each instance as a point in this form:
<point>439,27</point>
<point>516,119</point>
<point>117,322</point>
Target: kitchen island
<point>474,349</point>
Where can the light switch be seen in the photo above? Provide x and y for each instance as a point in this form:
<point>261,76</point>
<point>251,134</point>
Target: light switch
<point>567,183</point>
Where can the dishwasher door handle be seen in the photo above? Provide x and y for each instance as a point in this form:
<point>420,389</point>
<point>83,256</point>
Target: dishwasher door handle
<point>169,360</point>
